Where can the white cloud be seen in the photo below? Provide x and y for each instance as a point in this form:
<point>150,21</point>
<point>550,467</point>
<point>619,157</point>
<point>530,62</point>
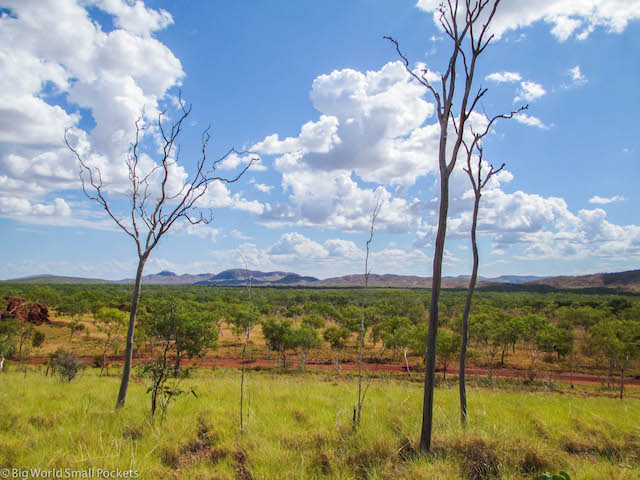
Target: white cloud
<point>263,188</point>
<point>298,245</point>
<point>50,49</point>
<point>530,121</point>
<point>200,230</point>
<point>566,17</point>
<point>577,77</point>
<point>237,162</point>
<point>604,200</point>
<point>504,77</point>
<point>371,129</point>
<point>371,124</point>
<point>530,91</point>
<point>134,16</point>
<point>20,208</point>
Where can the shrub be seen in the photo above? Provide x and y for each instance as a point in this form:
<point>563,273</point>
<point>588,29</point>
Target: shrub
<point>66,365</point>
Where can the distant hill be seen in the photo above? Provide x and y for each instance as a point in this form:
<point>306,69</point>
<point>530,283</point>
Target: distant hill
<point>513,279</point>
<point>628,281</point>
<point>238,276</point>
<point>56,279</point>
<point>392,281</point>
<point>169,278</point>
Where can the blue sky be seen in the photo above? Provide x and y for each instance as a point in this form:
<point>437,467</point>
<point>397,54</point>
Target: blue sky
<point>349,124</point>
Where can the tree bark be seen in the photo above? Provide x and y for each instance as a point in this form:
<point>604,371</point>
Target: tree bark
<point>176,367</point>
<point>434,308</point>
<point>128,353</point>
<point>465,316</point>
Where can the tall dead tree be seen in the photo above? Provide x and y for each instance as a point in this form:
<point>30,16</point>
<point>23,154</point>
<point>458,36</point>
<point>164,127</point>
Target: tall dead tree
<point>478,182</point>
<point>153,208</point>
<point>367,271</point>
<point>463,22</point>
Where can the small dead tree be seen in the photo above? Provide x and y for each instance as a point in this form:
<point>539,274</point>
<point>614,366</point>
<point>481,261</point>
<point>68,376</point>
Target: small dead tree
<point>247,335</point>
<point>154,209</point>
<point>461,20</point>
<point>367,272</point>
<point>478,182</point>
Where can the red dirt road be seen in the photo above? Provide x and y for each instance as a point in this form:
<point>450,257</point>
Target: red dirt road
<point>580,378</point>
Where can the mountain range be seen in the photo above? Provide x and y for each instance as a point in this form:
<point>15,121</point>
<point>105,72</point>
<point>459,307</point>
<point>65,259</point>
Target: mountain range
<point>627,281</point>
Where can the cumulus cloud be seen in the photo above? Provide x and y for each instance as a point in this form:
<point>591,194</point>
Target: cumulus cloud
<point>373,128</point>
<point>236,162</point>
<point>530,121</point>
<point>604,200</point>
<point>112,75</point>
<point>370,124</point>
<point>261,187</point>
<point>530,91</point>
<point>504,77</point>
<point>566,17</point>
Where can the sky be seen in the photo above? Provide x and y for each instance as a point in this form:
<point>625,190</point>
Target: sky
<point>313,92</point>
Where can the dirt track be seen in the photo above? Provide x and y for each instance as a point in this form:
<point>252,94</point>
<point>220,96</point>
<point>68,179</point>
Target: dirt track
<point>581,378</point>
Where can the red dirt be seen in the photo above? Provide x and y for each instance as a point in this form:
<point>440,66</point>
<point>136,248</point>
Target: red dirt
<point>578,378</point>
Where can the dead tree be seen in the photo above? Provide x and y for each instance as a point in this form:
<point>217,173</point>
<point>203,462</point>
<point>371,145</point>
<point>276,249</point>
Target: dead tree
<point>247,333</point>
<point>478,182</point>
<point>461,21</point>
<point>153,209</point>
<point>367,272</point>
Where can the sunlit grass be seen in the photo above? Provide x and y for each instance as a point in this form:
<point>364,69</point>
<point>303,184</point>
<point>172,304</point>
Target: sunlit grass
<point>299,426</point>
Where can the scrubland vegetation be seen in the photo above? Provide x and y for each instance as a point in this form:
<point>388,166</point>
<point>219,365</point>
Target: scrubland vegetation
<point>58,391</point>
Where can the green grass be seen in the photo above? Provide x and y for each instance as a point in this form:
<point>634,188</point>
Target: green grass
<point>299,426</point>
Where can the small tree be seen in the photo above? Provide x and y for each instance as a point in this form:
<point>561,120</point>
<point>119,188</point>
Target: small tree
<point>74,326</point>
<point>164,325</point>
<point>279,335</point>
<point>336,337</point>
<point>362,331</point>
<point>448,348</point>
<point>154,208</point>
<point>619,341</point>
<point>304,338</point>
<point>534,335</point>
<point>111,322</point>
<point>486,332</point>
<point>196,331</point>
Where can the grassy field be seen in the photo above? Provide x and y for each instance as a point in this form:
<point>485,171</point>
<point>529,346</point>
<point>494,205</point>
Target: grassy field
<point>299,426</point>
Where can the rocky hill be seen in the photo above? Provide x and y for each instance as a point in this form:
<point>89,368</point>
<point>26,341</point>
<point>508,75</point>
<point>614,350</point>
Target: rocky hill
<point>629,281</point>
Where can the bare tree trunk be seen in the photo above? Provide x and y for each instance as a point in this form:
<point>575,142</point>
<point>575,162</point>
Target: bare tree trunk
<point>430,357</point>
<point>406,361</point>
<point>104,362</point>
<point>465,316</point>
<point>621,382</point>
<point>1,363</point>
<point>128,353</point>
<point>176,367</point>
<point>532,372</point>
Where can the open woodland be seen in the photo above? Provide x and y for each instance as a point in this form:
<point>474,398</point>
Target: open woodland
<point>248,374</point>
<point>541,399</point>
